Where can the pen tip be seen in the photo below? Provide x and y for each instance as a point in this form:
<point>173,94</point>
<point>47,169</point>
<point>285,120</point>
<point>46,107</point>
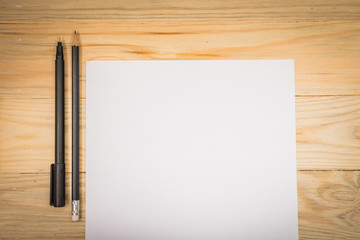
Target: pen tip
<point>75,32</point>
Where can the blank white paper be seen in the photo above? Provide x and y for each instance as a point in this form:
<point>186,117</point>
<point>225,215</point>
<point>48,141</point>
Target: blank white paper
<point>191,150</point>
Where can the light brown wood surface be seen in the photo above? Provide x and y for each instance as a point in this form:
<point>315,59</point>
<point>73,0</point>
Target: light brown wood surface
<point>322,36</point>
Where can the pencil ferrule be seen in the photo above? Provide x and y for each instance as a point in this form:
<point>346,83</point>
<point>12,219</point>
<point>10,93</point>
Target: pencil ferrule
<point>75,208</point>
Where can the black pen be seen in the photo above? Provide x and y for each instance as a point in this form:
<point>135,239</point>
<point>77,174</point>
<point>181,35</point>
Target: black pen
<point>75,129</point>
<point>57,171</point>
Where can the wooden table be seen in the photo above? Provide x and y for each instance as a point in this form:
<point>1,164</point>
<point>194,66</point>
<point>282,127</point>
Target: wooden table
<point>322,36</point>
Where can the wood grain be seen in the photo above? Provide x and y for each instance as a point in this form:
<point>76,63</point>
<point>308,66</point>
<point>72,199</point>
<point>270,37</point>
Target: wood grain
<point>92,11</point>
<point>27,139</point>
<point>328,134</point>
<point>328,207</point>
<point>322,36</point>
<point>329,204</point>
<point>326,54</point>
<point>25,212</point>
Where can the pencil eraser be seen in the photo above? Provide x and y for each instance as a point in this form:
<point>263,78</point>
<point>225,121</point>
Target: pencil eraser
<point>75,218</point>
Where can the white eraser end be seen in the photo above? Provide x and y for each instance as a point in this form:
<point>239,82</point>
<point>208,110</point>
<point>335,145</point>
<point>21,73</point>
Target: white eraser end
<point>75,218</point>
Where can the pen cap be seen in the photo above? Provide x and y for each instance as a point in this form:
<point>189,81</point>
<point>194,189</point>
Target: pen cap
<point>57,185</point>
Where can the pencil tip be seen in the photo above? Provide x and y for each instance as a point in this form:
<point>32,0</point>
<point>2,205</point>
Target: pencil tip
<point>75,40</point>
<point>59,39</point>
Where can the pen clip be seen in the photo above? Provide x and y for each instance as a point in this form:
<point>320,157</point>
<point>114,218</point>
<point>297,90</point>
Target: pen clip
<point>52,185</point>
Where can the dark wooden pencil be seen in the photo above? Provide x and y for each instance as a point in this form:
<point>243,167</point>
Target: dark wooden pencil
<point>75,129</point>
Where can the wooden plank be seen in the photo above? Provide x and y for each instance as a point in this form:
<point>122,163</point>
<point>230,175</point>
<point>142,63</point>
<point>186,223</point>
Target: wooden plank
<point>328,203</point>
<point>326,53</point>
<point>328,207</point>
<point>25,212</point>
<point>92,11</point>
<point>328,134</point>
<point>27,135</point>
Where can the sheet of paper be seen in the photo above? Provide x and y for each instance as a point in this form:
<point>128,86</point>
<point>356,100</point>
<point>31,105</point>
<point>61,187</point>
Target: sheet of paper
<point>190,150</point>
